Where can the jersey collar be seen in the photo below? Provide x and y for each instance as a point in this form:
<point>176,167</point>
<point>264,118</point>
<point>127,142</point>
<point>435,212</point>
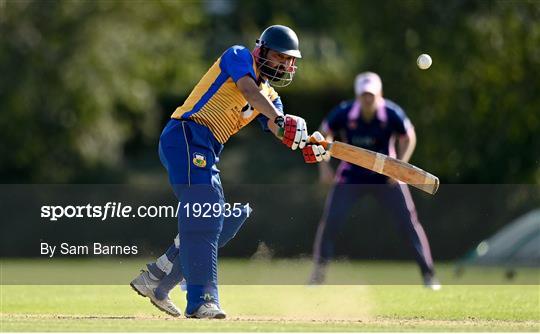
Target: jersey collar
<point>356,110</point>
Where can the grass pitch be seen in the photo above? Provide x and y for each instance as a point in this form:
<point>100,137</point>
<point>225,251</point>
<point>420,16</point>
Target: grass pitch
<point>274,308</point>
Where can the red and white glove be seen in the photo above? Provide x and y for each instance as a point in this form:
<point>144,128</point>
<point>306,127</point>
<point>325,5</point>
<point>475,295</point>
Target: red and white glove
<point>294,132</point>
<point>315,152</point>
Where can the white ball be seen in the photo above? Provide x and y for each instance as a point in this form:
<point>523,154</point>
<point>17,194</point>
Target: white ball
<point>423,61</point>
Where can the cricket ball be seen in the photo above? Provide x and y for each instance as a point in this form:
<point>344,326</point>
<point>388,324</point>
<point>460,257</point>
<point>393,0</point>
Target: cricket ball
<point>424,61</point>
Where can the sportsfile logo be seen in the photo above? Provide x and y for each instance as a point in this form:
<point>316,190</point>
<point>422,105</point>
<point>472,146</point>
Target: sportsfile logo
<point>103,212</point>
<point>54,213</point>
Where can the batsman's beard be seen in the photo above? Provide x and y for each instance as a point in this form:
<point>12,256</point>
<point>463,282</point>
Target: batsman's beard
<point>279,76</point>
<point>273,74</point>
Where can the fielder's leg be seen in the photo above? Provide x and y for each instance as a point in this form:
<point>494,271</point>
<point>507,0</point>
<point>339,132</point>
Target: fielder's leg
<point>397,198</point>
<point>337,207</point>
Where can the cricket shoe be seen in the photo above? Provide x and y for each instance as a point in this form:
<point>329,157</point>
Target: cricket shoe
<point>145,286</point>
<point>208,311</point>
<point>432,283</point>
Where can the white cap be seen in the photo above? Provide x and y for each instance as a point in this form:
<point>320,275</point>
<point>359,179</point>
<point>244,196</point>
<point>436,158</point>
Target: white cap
<point>368,82</point>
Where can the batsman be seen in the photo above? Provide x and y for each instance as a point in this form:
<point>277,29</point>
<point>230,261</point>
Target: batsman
<point>236,90</point>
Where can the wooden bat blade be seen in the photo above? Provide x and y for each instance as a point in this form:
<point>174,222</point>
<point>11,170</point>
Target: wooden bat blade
<point>385,165</point>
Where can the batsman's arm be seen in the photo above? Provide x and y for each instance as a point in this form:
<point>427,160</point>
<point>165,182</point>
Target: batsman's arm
<point>259,101</point>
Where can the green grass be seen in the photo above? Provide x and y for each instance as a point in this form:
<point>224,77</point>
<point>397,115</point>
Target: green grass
<point>274,308</point>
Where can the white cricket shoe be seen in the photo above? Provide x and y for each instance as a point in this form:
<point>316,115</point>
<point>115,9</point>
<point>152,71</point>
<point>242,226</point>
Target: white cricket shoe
<point>208,311</point>
<point>144,286</point>
<point>432,283</point>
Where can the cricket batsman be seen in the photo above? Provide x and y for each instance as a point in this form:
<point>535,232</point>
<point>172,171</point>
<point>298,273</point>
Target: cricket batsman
<point>377,124</point>
<point>236,90</point>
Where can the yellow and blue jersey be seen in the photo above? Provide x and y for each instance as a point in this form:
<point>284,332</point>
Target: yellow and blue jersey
<point>217,103</point>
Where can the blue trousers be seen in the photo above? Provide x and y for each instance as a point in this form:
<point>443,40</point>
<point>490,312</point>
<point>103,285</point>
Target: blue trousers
<point>168,269</point>
<point>190,154</point>
<point>395,198</point>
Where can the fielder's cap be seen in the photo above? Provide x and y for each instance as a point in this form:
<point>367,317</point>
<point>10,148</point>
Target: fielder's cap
<point>368,82</point>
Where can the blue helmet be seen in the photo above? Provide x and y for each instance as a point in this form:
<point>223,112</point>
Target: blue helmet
<point>279,39</point>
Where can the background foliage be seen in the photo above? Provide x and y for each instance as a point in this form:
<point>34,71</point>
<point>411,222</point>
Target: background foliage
<point>86,86</point>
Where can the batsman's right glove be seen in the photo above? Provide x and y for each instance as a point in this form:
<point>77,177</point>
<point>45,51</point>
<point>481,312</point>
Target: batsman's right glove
<point>315,152</point>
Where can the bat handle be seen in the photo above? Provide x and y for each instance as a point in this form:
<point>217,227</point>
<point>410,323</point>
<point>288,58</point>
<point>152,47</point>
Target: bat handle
<point>323,143</point>
<point>310,140</point>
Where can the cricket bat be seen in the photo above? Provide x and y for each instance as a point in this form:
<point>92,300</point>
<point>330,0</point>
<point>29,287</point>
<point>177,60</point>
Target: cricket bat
<point>383,164</point>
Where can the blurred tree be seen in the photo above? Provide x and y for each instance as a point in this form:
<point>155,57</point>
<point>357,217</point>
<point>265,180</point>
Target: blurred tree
<point>84,80</point>
<point>475,110</point>
<point>79,78</point>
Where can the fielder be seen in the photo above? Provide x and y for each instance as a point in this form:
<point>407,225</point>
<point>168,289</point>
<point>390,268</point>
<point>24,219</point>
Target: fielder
<point>235,90</point>
<point>377,124</point>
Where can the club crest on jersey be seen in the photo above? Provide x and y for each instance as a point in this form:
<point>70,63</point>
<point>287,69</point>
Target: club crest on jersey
<point>199,160</point>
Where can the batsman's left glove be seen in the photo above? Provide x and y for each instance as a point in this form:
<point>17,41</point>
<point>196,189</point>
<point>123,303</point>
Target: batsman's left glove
<point>315,152</point>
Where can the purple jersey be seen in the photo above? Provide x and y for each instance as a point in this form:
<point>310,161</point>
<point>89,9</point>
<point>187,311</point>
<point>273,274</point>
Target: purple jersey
<point>379,135</point>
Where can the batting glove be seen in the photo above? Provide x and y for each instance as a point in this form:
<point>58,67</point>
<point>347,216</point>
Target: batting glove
<point>315,152</point>
<point>294,132</point>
